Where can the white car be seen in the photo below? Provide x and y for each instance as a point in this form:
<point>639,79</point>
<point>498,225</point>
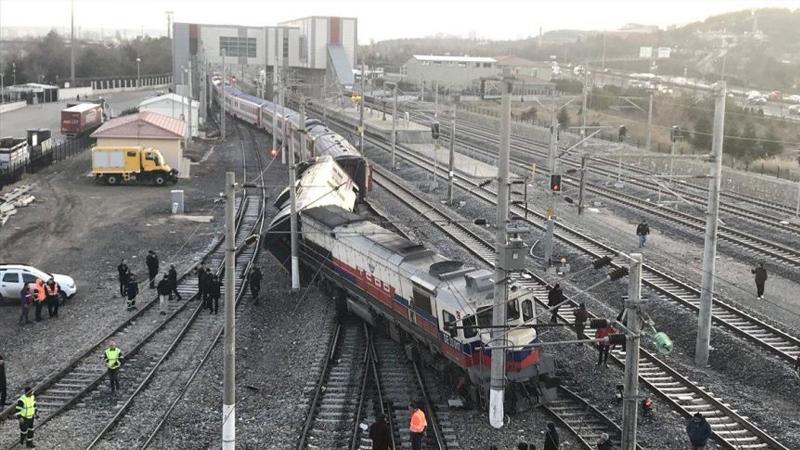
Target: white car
<point>793,98</point>
<point>14,276</point>
<point>794,110</point>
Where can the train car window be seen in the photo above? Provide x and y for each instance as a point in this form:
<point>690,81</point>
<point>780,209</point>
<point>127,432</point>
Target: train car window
<point>527,310</point>
<point>422,301</point>
<point>512,310</point>
<point>449,323</point>
<point>470,328</point>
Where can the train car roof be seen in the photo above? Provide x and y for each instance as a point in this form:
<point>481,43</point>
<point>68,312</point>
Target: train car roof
<point>238,93</point>
<point>333,216</point>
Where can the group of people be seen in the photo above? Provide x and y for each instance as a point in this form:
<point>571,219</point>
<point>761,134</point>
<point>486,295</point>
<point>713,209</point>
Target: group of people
<point>129,284</point>
<point>39,294</point>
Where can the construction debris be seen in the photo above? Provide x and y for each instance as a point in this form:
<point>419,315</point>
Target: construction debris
<point>18,198</point>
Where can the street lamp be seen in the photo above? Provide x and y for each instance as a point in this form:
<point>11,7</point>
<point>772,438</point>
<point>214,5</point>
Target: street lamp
<point>138,66</point>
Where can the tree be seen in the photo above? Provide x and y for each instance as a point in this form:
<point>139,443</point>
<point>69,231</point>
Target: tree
<point>749,142</point>
<point>731,144</point>
<point>563,118</point>
<point>701,139</point>
<point>770,146</point>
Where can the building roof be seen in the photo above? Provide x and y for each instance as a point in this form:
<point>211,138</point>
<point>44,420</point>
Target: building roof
<point>515,61</point>
<point>454,58</point>
<point>171,97</point>
<point>143,125</point>
<point>81,107</point>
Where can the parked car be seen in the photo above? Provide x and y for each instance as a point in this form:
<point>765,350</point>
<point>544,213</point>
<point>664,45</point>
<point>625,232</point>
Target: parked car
<point>14,276</point>
<point>794,110</point>
<point>793,98</point>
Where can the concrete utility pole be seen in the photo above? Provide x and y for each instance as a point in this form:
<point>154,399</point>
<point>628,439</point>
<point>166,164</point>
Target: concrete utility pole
<point>169,24</point>
<point>584,113</point>
<point>582,188</point>
<point>551,166</point>
<point>276,89</point>
<point>222,114</point>
<point>325,99</point>
<point>451,175</point>
<point>710,249</point>
<point>649,121</point>
<point>394,125</point>
<point>72,45</point>
<point>138,72</point>
<point>293,208</point>
<point>284,82</point>
<point>361,112</point>
<point>630,396</point>
<point>229,360</point>
<point>498,333</point>
<point>189,98</point>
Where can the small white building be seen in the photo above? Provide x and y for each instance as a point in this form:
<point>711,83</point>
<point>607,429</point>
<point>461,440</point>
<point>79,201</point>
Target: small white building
<point>175,106</point>
<point>457,72</point>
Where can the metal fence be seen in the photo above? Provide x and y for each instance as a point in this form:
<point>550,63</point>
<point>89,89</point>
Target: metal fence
<point>42,156</point>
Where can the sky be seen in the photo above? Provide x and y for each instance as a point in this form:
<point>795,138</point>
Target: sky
<point>380,19</point>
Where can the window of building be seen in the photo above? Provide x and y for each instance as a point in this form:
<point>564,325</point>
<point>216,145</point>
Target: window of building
<point>462,65</point>
<point>236,46</point>
<point>303,48</point>
<point>285,46</point>
<point>527,310</point>
<point>487,65</point>
<point>449,323</point>
<point>422,301</point>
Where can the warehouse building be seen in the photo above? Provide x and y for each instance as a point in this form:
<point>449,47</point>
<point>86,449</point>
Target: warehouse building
<point>147,129</point>
<point>175,106</point>
<point>310,48</point>
<point>453,72</point>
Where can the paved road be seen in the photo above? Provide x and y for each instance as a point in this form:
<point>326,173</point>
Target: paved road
<point>47,115</point>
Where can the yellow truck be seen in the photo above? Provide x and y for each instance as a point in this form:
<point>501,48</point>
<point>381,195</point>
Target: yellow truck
<point>113,165</point>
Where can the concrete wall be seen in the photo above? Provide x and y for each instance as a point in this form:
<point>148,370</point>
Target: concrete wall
<point>172,149</point>
<point>448,75</point>
<point>72,93</point>
<point>6,107</point>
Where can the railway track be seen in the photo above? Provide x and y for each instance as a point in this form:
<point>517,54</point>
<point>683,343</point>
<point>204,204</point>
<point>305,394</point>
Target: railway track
<point>146,338</point>
<point>730,429</point>
<point>731,317</point>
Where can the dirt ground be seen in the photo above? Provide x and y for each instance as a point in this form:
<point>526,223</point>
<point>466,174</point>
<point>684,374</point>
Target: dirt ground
<point>83,230</point>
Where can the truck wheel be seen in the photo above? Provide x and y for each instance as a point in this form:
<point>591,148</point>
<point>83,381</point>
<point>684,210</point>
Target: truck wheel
<point>160,180</point>
<point>112,180</point>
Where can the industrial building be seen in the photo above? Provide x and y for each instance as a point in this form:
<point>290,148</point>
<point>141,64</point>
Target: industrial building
<point>310,49</point>
<point>175,106</point>
<point>453,72</point>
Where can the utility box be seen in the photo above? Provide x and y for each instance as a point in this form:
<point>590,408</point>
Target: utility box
<point>512,255</point>
<point>176,196</point>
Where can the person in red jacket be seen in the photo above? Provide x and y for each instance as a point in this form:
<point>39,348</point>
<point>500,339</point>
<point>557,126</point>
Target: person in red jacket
<point>603,347</point>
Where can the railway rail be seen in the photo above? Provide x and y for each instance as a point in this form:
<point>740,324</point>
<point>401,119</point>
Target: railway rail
<point>730,429</point>
<point>147,341</point>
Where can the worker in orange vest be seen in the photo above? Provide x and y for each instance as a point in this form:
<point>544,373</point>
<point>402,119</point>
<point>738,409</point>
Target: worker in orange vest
<point>39,296</point>
<point>417,425</point>
<point>51,292</point>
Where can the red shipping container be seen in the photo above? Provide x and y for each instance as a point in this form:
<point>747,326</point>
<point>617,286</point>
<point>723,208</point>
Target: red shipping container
<point>80,119</point>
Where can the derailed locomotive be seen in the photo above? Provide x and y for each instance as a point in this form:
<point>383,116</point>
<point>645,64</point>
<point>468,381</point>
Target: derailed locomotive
<point>418,294</point>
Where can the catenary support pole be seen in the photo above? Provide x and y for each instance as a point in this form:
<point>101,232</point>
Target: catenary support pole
<point>293,212</point>
<point>649,121</point>
<point>451,175</point>
<point>710,249</point>
<point>222,88</point>
<point>497,384</point>
<point>551,197</point>
<point>630,396</point>
<point>189,101</point>
<point>582,188</point>
<point>276,89</point>
<point>284,84</point>
<point>229,361</point>
<point>72,45</point>
<point>394,126</point>
<point>361,111</point>
<point>584,112</point>
<point>325,99</point>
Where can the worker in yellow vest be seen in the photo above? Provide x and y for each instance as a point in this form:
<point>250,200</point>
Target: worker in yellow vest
<point>417,425</point>
<point>113,357</point>
<point>26,412</point>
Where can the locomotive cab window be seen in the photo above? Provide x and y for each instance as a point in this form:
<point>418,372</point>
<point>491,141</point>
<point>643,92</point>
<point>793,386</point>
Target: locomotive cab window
<point>449,323</point>
<point>422,300</point>
<point>527,310</point>
<point>470,327</point>
<point>512,310</point>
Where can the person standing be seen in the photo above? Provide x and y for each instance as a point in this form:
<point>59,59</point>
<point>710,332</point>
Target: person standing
<point>642,230</point>
<point>215,292</point>
<point>113,357</point>
<point>254,280</point>
<point>699,431</point>
<point>25,301</point>
<point>581,316</point>
<point>172,275</point>
<point>208,282</point>
<point>201,281</point>
<point>151,260</point>
<point>26,413</point>
<point>39,296</point>
<point>2,383</point>
<point>605,443</point>
<point>132,291</point>
<point>379,434</point>
<point>163,290</point>
<point>417,425</point>
<point>603,347</point>
<point>551,440</point>
<point>554,298</point>
<point>761,278</point>
<point>51,290</point>
<point>123,272</point>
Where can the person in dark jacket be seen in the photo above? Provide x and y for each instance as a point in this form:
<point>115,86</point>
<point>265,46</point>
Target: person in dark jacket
<point>699,431</point>
<point>201,281</point>
<point>132,291</point>
<point>761,278</point>
<point>151,260</point>
<point>526,446</point>
<point>254,280</point>
<point>2,382</point>
<point>554,298</point>
<point>379,433</point>
<point>604,443</point>
<point>123,273</point>
<point>172,276</point>
<point>551,441</point>
<point>642,230</point>
<point>25,302</point>
<point>215,292</point>
<point>581,316</point>
<point>163,290</point>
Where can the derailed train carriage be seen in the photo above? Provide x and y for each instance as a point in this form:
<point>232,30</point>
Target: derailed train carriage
<point>320,140</point>
<point>416,293</point>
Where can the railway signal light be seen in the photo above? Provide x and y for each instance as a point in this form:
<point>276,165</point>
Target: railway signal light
<point>555,183</point>
<point>674,133</point>
<point>618,273</point>
<point>274,153</point>
<point>602,262</point>
<point>435,130</point>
